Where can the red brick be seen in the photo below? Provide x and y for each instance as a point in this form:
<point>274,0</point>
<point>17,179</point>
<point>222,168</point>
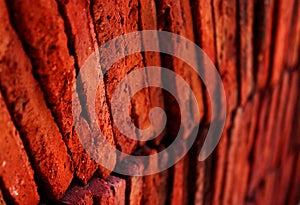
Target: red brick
<point>204,36</point>
<point>221,153</point>
<point>110,23</point>
<point>25,101</point>
<point>200,173</point>
<point>283,125</point>
<point>241,140</point>
<point>101,191</point>
<point>16,173</point>
<point>148,21</point>
<point>294,39</point>
<point>109,192</point>
<point>134,190</point>
<point>246,68</point>
<point>83,40</point>
<point>283,26</point>
<point>204,27</point>
<point>225,31</point>
<point>118,186</point>
<point>170,19</point>
<point>261,163</point>
<point>150,194</point>
<point>134,184</point>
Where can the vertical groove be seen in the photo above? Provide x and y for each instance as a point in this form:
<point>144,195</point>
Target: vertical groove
<point>273,40</point>
<point>72,52</point>
<point>252,151</point>
<point>228,135</point>
<point>69,35</point>
<point>238,52</point>
<point>215,34</point>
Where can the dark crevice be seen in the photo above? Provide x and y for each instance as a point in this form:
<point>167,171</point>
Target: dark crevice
<point>275,17</point>
<point>196,15</point>
<point>68,32</point>
<point>5,193</point>
<point>72,51</point>
<point>193,154</point>
<point>239,55</point>
<point>251,156</point>
<point>140,28</point>
<point>265,100</point>
<point>257,28</point>
<point>294,169</point>
<point>170,182</point>
<point>164,23</point>
<point>294,143</point>
<point>215,33</point>
<point>214,157</point>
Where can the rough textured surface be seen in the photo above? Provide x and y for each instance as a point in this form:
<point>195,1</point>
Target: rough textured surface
<point>44,44</point>
<point>49,54</point>
<point>26,103</point>
<point>102,194</point>
<point>118,186</point>
<point>97,191</point>
<point>78,196</point>
<point>148,21</point>
<point>16,174</point>
<point>82,42</point>
<point>110,23</point>
<point>171,19</point>
<point>225,36</point>
<point>245,49</point>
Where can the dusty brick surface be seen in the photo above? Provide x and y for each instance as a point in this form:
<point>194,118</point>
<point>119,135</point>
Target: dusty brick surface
<point>110,23</point>
<point>25,101</point>
<point>16,173</point>
<point>82,41</point>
